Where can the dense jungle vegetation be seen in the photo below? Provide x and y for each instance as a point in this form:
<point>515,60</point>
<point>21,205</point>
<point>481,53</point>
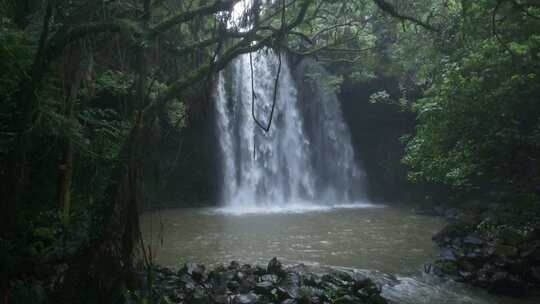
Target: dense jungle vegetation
<point>90,91</point>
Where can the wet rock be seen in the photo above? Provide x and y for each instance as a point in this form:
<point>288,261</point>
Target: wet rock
<point>264,287</point>
<point>275,267</point>
<point>505,250</point>
<point>200,296</point>
<point>248,284</point>
<point>195,270</point>
<point>531,251</point>
<point>289,287</point>
<point>439,210</point>
<point>452,234</point>
<point>177,296</point>
<point>445,267</point>
<point>535,272</point>
<point>245,299</point>
<point>222,299</point>
<point>511,237</point>
<point>505,283</point>
<point>234,265</point>
<point>347,299</point>
<point>244,284</point>
<point>451,214</point>
<point>164,271</point>
<point>270,278</point>
<point>473,240</point>
<point>239,276</point>
<point>187,282</point>
<point>259,271</point>
<point>498,258</point>
<point>233,286</point>
<point>447,254</point>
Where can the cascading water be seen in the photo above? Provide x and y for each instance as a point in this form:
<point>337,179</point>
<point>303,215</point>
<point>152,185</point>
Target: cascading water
<point>306,160</point>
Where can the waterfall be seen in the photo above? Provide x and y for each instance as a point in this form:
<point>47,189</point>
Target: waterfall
<point>306,159</point>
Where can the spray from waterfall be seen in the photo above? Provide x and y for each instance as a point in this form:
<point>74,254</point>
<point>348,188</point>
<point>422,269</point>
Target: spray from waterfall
<point>306,157</point>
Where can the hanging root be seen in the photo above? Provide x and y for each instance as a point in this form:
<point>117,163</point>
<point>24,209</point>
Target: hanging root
<point>266,127</point>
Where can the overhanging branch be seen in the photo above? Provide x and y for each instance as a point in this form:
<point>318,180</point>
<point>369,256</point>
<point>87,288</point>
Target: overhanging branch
<point>209,9</point>
<point>391,10</point>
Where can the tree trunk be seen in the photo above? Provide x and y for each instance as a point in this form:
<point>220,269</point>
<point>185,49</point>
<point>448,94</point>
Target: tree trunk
<point>73,74</point>
<point>17,158</point>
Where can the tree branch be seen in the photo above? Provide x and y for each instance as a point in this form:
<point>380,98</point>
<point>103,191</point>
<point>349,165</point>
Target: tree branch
<point>215,7</point>
<point>391,10</point>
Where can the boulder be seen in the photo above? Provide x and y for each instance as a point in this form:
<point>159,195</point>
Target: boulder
<point>447,254</point>
<point>187,282</point>
<point>264,287</point>
<point>505,283</point>
<point>473,239</point>
<point>196,271</point>
<point>249,298</point>
<point>222,299</point>
<point>200,296</point>
<point>234,265</point>
<point>535,273</point>
<point>347,299</point>
<point>502,250</point>
<point>233,286</point>
<point>269,277</point>
<point>275,267</point>
<point>511,237</point>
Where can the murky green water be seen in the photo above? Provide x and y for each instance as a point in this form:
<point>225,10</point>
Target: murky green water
<point>385,240</point>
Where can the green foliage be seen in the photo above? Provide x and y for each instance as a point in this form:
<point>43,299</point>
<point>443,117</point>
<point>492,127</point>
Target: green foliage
<point>15,59</point>
<point>176,114</point>
<point>330,83</point>
<point>115,82</point>
<point>105,133</point>
<point>479,118</point>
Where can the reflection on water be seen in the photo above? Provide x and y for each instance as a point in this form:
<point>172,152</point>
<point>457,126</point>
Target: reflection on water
<point>385,240</point>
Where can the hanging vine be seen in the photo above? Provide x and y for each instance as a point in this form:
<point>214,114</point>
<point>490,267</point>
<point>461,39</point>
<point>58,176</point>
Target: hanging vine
<point>266,127</point>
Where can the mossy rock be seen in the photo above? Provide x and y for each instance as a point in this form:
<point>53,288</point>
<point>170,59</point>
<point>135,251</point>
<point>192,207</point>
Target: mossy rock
<point>511,237</point>
<point>446,267</point>
<point>503,250</point>
<point>453,231</point>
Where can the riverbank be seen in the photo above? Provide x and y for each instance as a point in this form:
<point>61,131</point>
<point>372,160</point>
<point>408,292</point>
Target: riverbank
<point>497,249</point>
<point>247,284</point>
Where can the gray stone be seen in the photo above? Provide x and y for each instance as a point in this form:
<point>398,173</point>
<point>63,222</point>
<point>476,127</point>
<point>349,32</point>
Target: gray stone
<point>535,271</point>
<point>447,254</point>
<point>188,282</point>
<point>264,287</point>
<point>222,299</point>
<point>270,278</point>
<point>275,267</point>
<point>473,240</point>
<point>249,298</point>
<point>347,299</point>
<point>233,286</point>
<point>194,270</point>
<point>234,265</point>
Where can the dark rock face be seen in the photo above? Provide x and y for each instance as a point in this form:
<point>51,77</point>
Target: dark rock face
<point>246,284</point>
<point>501,260</point>
<point>275,267</point>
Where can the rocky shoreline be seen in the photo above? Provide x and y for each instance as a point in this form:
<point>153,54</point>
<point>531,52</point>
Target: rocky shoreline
<point>247,284</point>
<point>485,252</point>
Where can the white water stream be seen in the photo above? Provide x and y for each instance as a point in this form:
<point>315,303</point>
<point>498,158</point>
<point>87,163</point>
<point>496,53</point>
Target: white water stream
<point>296,164</point>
